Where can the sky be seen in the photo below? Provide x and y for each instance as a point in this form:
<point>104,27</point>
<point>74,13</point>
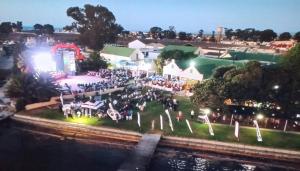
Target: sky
<point>185,15</point>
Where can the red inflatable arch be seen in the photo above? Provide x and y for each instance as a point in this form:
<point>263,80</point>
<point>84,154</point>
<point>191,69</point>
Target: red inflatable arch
<point>78,54</point>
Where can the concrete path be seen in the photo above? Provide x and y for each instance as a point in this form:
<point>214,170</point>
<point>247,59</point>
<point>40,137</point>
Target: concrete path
<point>141,155</point>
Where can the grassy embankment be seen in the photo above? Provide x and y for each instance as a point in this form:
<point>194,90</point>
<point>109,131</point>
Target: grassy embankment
<point>224,133</point>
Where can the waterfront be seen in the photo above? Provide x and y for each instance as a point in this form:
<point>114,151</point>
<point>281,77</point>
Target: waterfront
<point>21,150</point>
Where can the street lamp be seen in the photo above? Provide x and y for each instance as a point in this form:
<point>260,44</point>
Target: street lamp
<point>276,87</point>
<point>192,64</point>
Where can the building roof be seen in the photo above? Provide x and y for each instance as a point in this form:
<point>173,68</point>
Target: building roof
<point>158,45</point>
<point>186,49</point>
<point>255,56</point>
<point>206,65</point>
<point>119,51</point>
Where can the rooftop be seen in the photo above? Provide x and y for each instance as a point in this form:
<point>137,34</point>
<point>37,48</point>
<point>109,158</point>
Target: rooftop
<point>185,49</point>
<point>119,51</point>
<point>206,65</point>
<point>255,56</point>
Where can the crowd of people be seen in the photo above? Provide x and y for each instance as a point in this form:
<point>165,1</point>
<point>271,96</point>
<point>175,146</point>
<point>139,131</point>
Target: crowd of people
<point>130,100</point>
<point>111,79</point>
<point>166,84</point>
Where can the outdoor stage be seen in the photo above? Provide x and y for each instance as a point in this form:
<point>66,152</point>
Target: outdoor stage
<point>73,81</point>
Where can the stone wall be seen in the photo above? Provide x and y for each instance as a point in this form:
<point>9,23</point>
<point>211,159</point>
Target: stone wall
<point>90,132</point>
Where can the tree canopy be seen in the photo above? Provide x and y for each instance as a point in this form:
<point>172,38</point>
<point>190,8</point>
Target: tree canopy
<point>5,27</point>
<point>169,33</point>
<point>93,63</point>
<point>96,25</point>
<point>255,82</point>
<point>267,35</point>
<point>297,36</point>
<point>43,29</point>
<point>285,36</point>
<point>250,34</point>
<point>29,88</point>
<point>155,32</point>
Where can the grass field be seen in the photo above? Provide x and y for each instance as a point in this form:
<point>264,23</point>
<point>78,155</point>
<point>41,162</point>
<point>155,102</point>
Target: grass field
<point>224,133</point>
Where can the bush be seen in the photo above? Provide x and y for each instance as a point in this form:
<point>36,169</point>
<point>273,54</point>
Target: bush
<point>20,104</point>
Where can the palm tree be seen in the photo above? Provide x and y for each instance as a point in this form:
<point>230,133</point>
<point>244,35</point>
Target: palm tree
<point>31,88</point>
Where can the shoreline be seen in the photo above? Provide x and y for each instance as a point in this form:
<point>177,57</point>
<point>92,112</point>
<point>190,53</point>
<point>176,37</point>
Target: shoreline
<point>95,134</point>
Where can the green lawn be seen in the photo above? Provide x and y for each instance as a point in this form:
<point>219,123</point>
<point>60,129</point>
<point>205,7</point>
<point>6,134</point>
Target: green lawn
<point>223,133</point>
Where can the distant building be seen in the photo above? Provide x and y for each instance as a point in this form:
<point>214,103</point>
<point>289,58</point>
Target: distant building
<point>136,44</point>
<point>210,51</point>
<point>219,34</point>
<point>155,46</point>
<point>185,49</point>
<point>261,57</point>
<point>283,45</point>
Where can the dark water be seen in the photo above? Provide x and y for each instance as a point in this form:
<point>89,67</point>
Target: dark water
<point>22,151</point>
<point>167,159</point>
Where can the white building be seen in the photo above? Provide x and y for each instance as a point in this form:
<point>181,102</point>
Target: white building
<point>115,54</point>
<point>172,70</point>
<point>136,44</point>
<point>210,51</point>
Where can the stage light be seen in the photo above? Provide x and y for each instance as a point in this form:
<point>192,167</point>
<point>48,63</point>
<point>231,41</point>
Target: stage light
<point>260,116</point>
<point>44,62</point>
<point>206,111</point>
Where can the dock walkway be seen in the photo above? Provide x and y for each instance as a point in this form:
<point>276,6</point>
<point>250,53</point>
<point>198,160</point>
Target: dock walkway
<point>141,155</point>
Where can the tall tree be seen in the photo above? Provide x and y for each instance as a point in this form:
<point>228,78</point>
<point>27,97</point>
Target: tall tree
<point>155,32</point>
<point>267,35</point>
<point>200,33</point>
<point>38,28</point>
<point>297,36</point>
<point>5,27</point>
<point>96,25</point>
<point>285,36</point>
<point>18,26</point>
<point>30,89</point>
<point>93,63</point>
<point>229,33</point>
<point>48,29</point>
<point>170,34</point>
<point>182,35</point>
<point>212,37</point>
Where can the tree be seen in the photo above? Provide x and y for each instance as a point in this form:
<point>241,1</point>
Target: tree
<point>209,94</point>
<point>18,26</point>
<point>189,36</point>
<point>182,35</point>
<point>212,38</point>
<point>285,36</point>
<point>220,71</point>
<point>5,27</point>
<point>297,36</point>
<point>229,33</point>
<point>48,29</point>
<point>31,89</point>
<point>267,35</point>
<point>171,33</point>
<point>125,33</point>
<point>96,25</point>
<point>93,63</point>
<point>200,33</point>
<point>159,63</point>
<point>68,28</point>
<point>38,28</point>
<point>155,32</point>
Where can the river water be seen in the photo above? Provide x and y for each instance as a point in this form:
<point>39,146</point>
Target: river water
<point>21,151</point>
